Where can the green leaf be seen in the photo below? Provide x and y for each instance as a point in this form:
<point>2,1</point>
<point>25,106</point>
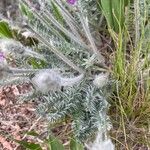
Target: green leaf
<point>57,13</point>
<point>118,10</point>
<point>37,64</point>
<point>5,30</point>
<point>25,10</point>
<point>75,145</point>
<point>54,144</point>
<point>29,145</point>
<point>107,11</point>
<point>114,12</point>
<point>32,133</point>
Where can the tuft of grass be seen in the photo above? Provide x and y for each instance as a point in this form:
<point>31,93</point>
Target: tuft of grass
<point>130,101</point>
<point>113,11</point>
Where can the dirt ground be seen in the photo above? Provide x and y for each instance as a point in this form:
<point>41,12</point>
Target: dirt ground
<point>17,118</point>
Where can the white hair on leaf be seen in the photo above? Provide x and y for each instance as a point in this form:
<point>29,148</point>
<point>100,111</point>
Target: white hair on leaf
<point>71,81</point>
<point>4,69</point>
<point>105,145</point>
<point>10,46</point>
<point>101,144</point>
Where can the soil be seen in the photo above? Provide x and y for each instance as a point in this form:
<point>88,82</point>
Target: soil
<point>16,118</point>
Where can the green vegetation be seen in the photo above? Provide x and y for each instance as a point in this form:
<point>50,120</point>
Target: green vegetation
<point>130,101</point>
<point>73,38</point>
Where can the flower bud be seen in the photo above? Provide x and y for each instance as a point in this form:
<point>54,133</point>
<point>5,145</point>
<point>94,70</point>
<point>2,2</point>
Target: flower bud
<point>45,81</point>
<point>49,80</point>
<point>100,80</point>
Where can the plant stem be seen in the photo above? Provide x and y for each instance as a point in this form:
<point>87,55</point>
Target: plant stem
<point>55,51</point>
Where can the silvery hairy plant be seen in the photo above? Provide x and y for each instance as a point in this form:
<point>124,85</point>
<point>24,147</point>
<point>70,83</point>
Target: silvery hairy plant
<point>74,83</point>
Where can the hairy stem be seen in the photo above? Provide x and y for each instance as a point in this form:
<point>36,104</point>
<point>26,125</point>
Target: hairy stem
<point>55,51</point>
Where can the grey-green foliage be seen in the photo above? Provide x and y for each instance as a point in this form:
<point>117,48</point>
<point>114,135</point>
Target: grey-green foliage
<point>84,104</point>
<point>64,32</point>
<point>68,36</point>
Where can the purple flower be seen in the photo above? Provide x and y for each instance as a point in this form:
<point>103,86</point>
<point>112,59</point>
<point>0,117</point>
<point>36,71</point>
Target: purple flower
<point>2,57</point>
<point>72,2</point>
